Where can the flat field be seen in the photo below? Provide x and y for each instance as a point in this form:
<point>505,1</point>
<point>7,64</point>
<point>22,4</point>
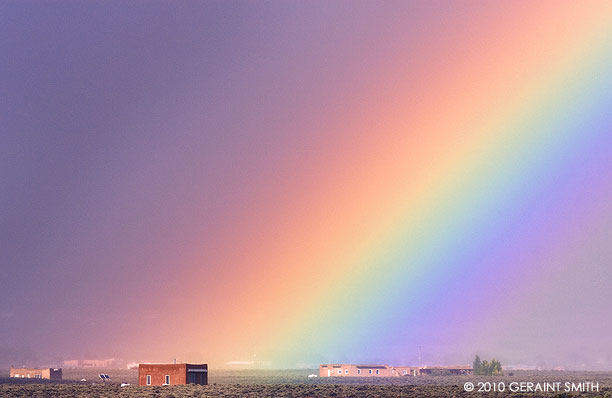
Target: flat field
<point>295,383</point>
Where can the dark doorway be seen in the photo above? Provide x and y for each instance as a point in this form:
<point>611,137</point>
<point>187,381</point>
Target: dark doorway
<point>197,378</point>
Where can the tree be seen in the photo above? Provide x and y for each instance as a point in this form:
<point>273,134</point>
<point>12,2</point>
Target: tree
<point>477,365</point>
<point>486,368</point>
<point>496,368</point>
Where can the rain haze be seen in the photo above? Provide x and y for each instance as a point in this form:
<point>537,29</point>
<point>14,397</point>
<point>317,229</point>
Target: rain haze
<point>295,183</point>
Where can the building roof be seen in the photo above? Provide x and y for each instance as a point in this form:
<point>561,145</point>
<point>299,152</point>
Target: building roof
<point>173,365</point>
<point>379,366</point>
<point>34,369</point>
<point>449,367</point>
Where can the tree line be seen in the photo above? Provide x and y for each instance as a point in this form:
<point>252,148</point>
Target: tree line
<point>486,368</point>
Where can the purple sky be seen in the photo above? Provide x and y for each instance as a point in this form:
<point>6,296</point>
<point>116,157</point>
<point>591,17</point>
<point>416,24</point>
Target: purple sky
<point>141,142</point>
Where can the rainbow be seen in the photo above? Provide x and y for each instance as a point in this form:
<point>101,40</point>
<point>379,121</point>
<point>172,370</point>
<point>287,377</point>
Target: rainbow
<point>443,200</point>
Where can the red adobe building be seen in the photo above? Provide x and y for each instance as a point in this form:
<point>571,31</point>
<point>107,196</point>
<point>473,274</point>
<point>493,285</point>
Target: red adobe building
<point>172,374</point>
<point>45,373</point>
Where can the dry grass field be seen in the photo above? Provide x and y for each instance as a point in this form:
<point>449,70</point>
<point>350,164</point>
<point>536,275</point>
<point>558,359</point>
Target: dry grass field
<point>294,383</point>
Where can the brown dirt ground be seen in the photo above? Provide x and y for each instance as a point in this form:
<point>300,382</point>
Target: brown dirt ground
<point>293,383</point>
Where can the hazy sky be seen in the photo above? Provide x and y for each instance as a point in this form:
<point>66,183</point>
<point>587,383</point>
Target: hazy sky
<point>305,182</point>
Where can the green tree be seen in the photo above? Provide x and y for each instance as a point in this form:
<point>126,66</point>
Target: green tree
<point>496,368</point>
<point>477,365</point>
<point>486,368</point>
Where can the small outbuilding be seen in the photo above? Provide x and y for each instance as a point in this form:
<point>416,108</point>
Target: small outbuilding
<point>37,373</point>
<point>172,374</point>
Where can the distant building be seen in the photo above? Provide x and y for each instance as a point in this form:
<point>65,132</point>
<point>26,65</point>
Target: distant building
<point>91,363</point>
<point>33,373</point>
<point>172,374</point>
<point>521,367</point>
<point>350,370</point>
<point>239,364</point>
<point>132,366</point>
<point>447,370</point>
